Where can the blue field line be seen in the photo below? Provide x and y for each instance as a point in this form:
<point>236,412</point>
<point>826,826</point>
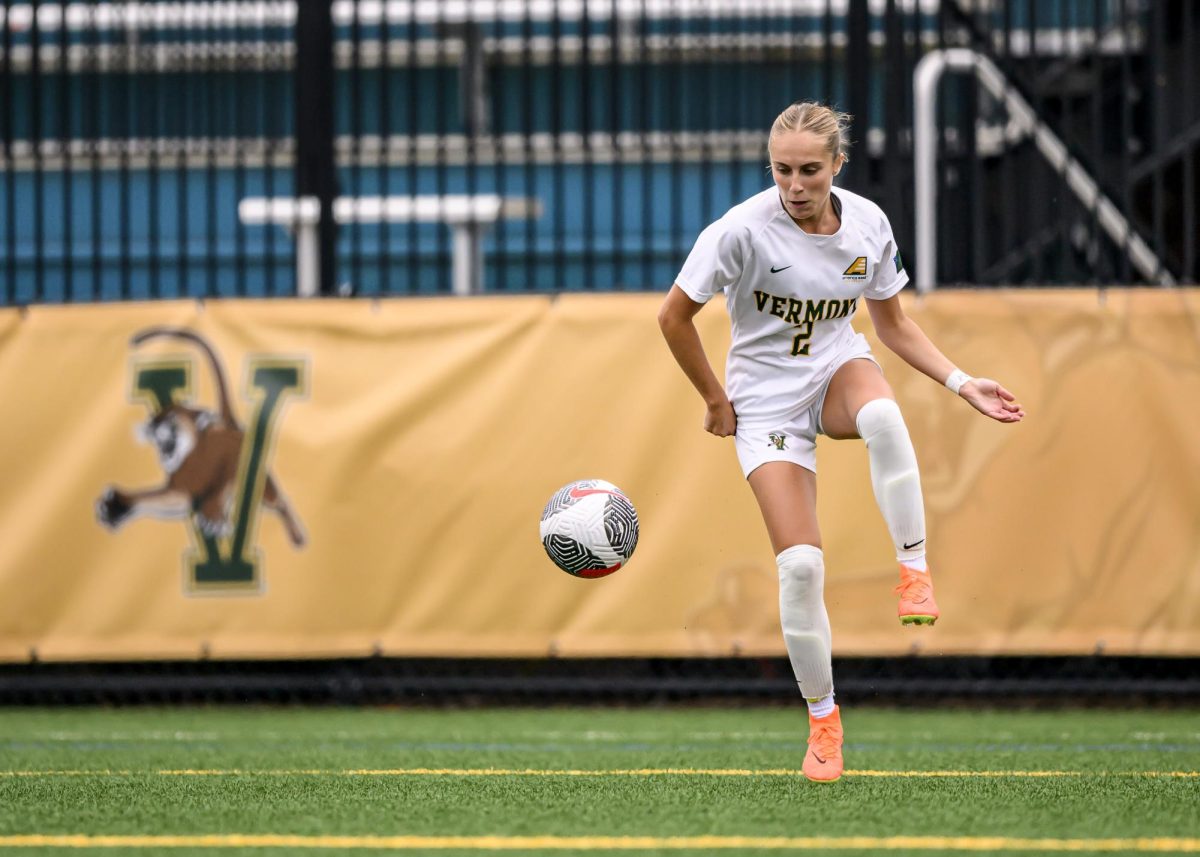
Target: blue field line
<point>625,747</point>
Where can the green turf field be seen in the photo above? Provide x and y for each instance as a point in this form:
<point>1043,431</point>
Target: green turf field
<point>586,781</point>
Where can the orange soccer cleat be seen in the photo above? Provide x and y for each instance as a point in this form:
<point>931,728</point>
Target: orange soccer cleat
<point>823,761</point>
<point>917,606</point>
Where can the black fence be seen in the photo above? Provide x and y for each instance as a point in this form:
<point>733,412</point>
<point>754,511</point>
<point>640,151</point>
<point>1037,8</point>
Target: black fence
<point>1034,681</point>
<point>264,147</point>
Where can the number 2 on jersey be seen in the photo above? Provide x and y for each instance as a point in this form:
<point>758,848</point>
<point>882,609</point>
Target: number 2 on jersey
<point>800,344</point>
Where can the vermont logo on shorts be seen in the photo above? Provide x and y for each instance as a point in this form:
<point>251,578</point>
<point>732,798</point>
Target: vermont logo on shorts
<point>857,269</point>
<point>777,440</point>
<point>217,476</point>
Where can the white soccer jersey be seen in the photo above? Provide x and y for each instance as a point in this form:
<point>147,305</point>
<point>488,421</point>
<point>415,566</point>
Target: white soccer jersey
<point>790,294</point>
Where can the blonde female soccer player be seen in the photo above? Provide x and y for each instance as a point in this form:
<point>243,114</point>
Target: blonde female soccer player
<point>795,261</point>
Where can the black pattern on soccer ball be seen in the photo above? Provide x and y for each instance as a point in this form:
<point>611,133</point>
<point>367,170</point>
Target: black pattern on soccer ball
<point>571,556</point>
<point>562,497</point>
<point>621,525</point>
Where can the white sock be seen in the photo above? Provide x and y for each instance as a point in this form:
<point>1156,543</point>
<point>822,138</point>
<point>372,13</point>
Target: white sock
<point>916,563</point>
<point>894,476</point>
<point>804,619</point>
<point>822,707</point>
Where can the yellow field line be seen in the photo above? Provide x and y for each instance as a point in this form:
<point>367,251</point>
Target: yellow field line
<point>609,843</point>
<point>567,772</point>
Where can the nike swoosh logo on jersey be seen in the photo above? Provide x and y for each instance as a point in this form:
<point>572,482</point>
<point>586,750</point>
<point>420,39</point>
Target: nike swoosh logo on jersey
<point>777,270</point>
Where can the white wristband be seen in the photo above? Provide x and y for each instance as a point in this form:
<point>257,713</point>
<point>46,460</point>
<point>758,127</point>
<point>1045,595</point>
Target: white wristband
<point>957,378</point>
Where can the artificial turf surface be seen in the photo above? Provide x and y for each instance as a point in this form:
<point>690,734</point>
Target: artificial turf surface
<point>687,780</point>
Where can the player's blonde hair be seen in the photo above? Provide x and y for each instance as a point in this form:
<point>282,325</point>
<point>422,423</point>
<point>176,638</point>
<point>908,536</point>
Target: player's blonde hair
<point>819,119</point>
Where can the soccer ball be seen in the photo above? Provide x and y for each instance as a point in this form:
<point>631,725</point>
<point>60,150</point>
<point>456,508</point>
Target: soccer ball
<point>589,528</point>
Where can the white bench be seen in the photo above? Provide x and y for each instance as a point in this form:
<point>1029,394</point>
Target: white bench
<point>469,216</point>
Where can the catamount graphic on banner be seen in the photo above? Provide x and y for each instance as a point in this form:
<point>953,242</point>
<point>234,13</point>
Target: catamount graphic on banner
<point>216,471</point>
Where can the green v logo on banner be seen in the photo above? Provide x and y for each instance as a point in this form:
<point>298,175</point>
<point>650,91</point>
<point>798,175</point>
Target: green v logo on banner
<point>233,561</point>
<point>218,473</point>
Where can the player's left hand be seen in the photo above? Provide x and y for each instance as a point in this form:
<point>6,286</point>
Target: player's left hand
<point>991,399</point>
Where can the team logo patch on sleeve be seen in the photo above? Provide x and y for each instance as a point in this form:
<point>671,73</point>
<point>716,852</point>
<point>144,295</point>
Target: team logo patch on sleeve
<point>857,269</point>
<point>899,262</point>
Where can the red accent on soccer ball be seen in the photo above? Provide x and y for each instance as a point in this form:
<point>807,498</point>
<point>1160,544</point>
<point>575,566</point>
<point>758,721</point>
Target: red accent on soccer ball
<point>578,493</point>
<point>593,573</point>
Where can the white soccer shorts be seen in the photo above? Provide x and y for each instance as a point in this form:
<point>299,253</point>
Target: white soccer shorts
<point>792,436</point>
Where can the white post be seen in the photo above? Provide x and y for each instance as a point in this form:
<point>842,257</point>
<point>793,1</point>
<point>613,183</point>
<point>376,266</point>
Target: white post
<point>468,258</point>
<point>308,260</point>
<point>308,246</point>
<point>926,77</point>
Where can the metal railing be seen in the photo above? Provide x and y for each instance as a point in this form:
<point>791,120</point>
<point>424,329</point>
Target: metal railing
<point>928,74</point>
<point>130,133</point>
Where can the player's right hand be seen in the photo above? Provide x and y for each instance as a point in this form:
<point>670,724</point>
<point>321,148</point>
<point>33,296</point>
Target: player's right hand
<point>989,398</point>
<point>720,419</point>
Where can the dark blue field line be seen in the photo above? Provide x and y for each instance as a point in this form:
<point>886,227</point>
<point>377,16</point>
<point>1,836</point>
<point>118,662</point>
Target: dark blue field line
<point>798,745</point>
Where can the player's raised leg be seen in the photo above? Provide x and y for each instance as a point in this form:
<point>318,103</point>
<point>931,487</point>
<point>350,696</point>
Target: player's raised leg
<point>859,403</point>
<point>786,494</point>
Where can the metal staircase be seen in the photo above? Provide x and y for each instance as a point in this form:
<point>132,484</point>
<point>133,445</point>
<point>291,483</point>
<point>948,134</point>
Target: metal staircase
<point>1118,82</point>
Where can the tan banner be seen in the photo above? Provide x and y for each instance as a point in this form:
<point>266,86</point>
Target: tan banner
<point>374,480</point>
